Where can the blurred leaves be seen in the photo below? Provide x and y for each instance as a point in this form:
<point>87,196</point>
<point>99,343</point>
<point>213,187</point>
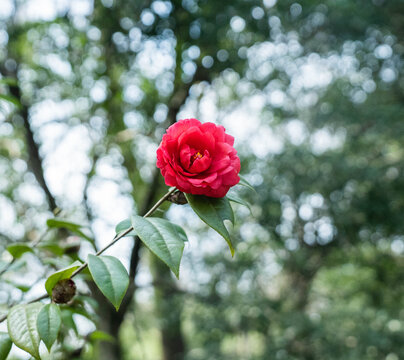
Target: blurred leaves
<point>17,250</point>
<point>72,227</point>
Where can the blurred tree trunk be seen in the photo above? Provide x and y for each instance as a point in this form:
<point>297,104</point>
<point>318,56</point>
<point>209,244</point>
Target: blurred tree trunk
<point>168,305</point>
<point>300,273</point>
<point>34,159</point>
<point>110,322</point>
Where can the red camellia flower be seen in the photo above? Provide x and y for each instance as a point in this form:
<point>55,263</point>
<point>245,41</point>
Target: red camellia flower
<point>198,158</point>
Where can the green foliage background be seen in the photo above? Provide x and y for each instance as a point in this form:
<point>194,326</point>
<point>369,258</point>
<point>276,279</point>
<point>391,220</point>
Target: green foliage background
<point>319,87</point>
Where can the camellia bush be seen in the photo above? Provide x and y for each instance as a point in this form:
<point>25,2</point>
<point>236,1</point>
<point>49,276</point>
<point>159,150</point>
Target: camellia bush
<point>200,165</point>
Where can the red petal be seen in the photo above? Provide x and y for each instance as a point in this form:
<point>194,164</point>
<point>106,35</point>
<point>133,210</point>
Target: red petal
<point>229,139</point>
<point>185,156</point>
<point>231,178</point>
<point>220,164</point>
<point>201,164</point>
<point>197,140</point>
<point>175,130</point>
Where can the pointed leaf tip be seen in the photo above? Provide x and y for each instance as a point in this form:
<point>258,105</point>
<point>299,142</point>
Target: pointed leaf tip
<point>244,182</point>
<point>165,239</point>
<point>110,276</point>
<point>213,211</point>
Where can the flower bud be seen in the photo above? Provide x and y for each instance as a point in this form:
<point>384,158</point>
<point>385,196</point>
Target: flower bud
<point>178,197</point>
<point>63,291</point>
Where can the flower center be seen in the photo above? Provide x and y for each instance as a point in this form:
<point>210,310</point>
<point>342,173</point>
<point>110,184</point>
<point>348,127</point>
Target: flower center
<point>197,155</point>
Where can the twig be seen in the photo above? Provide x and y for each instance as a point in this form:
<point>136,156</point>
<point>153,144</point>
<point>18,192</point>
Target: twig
<point>42,297</point>
<point>7,267</point>
<point>114,240</point>
<point>158,203</point>
<point>126,232</point>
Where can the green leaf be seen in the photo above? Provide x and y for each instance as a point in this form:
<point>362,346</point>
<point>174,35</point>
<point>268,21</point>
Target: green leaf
<point>164,239</point>
<point>21,324</point>
<point>234,198</point>
<point>213,211</point>
<point>5,345</point>
<point>72,227</point>
<point>8,81</point>
<point>10,98</point>
<point>60,275</point>
<point>23,288</point>
<point>18,249</point>
<point>48,324</point>
<point>54,248</point>
<point>245,183</point>
<point>125,225</point>
<point>101,336</point>
<point>110,276</point>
